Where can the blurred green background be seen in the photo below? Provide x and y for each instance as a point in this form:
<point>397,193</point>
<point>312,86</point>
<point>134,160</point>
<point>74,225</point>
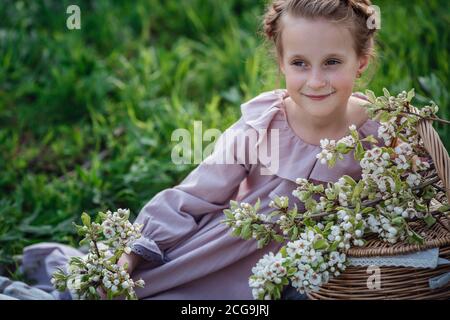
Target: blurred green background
<point>86,115</point>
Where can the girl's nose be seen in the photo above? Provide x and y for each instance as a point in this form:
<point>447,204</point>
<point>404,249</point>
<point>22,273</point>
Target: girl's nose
<point>317,80</point>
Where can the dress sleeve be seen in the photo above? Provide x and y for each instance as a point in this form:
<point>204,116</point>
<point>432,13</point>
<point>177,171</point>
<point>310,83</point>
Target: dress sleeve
<point>172,214</point>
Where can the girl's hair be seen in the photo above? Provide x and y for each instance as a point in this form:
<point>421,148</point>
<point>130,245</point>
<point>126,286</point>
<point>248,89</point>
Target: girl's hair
<point>352,13</point>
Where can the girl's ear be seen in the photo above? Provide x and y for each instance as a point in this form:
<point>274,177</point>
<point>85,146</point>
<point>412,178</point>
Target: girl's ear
<point>363,63</point>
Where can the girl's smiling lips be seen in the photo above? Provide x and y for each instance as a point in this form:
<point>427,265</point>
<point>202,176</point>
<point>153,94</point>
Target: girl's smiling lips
<point>317,97</point>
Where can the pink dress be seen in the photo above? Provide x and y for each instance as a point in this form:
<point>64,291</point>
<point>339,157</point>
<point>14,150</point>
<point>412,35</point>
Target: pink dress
<point>189,253</point>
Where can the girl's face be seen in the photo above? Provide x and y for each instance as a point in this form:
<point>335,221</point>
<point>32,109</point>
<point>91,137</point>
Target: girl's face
<point>319,63</point>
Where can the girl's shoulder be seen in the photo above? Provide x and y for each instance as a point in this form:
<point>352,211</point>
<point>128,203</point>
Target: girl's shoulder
<point>261,110</point>
<point>357,110</point>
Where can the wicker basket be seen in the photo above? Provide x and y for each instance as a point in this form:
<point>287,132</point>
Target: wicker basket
<point>402,282</point>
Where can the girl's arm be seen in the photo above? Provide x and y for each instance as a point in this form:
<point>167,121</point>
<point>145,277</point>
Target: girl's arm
<point>172,215</point>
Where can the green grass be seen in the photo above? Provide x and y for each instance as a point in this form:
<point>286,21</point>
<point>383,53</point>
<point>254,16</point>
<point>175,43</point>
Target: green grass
<point>86,116</point>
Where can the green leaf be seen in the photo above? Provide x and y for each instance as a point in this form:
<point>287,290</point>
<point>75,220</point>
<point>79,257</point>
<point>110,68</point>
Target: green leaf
<point>79,230</point>
<point>270,286</point>
<point>278,238</point>
<point>420,207</point>
<point>371,96</point>
<point>318,189</point>
<point>86,219</point>
<point>342,147</point>
<point>233,204</point>
<point>355,135</point>
<point>92,290</point>
<point>349,180</point>
<point>414,237</point>
<point>398,221</point>
<point>291,271</point>
<point>334,246</point>
<point>228,214</point>
<point>358,189</point>
<point>262,242</point>
<point>332,162</point>
<point>398,183</point>
<point>328,226</point>
<point>444,208</point>
<point>358,204</point>
<point>367,210</point>
<point>278,202</point>
<point>310,203</point>
<point>236,232</point>
<point>359,151</point>
<point>84,242</point>
<point>102,216</point>
<point>430,220</point>
<point>257,205</point>
<point>359,225</point>
<point>370,139</point>
<point>277,293</point>
<point>384,116</point>
<point>320,244</point>
<point>410,95</point>
<point>428,193</point>
<point>294,233</point>
<point>246,231</point>
<point>293,212</point>
<point>330,194</point>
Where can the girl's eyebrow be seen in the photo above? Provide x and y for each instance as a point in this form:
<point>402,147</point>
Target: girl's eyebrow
<point>331,55</point>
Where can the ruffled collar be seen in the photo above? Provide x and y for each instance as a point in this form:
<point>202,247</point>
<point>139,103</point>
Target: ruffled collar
<point>297,158</point>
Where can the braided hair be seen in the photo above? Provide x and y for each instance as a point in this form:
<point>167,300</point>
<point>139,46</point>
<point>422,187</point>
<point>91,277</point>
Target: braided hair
<point>354,13</point>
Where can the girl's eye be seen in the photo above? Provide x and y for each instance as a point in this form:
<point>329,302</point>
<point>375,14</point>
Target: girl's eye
<point>333,62</point>
<point>299,63</point>
<point>302,64</point>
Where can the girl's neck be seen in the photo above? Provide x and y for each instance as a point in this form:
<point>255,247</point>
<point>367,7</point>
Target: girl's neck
<point>312,129</point>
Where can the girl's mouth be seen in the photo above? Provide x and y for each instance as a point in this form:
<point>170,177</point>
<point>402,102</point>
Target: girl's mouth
<point>317,97</point>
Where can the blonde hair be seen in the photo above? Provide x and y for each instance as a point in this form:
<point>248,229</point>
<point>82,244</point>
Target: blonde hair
<point>354,14</point>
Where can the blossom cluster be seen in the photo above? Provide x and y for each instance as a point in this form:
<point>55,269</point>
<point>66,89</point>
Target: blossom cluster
<point>396,115</point>
<point>343,213</point>
<point>306,262</point>
<point>108,239</point>
<point>118,231</point>
<point>270,269</point>
<point>328,147</point>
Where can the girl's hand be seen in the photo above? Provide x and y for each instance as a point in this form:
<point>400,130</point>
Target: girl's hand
<point>132,259</point>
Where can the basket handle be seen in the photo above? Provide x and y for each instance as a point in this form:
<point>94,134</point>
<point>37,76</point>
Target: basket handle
<point>433,144</point>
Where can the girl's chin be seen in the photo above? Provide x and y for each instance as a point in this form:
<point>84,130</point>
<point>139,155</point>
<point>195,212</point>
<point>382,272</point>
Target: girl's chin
<point>319,109</point>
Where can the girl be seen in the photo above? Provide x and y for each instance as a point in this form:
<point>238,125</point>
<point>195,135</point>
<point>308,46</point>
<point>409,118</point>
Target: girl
<point>185,252</point>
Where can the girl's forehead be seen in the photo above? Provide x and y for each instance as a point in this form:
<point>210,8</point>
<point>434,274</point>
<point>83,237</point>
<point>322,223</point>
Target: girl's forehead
<point>313,37</point>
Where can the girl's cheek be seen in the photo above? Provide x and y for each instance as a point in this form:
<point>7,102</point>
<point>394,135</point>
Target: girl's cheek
<point>342,80</point>
<point>295,79</point>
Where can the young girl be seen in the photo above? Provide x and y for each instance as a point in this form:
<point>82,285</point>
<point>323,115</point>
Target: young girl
<point>186,252</point>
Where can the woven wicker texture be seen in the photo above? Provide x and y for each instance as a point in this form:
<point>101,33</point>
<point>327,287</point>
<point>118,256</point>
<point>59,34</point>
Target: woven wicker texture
<point>402,282</point>
<point>396,283</point>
